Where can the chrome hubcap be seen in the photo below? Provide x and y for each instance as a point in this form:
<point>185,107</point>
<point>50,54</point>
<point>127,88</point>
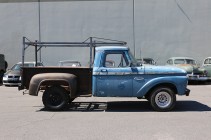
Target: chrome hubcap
<point>163,99</point>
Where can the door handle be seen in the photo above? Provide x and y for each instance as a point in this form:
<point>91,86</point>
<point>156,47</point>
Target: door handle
<point>104,70</point>
<point>139,78</point>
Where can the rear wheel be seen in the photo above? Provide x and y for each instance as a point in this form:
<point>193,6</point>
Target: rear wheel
<point>162,99</point>
<point>55,98</point>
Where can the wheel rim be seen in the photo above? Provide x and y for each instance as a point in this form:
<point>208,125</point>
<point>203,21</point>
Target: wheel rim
<point>163,99</point>
<point>55,99</point>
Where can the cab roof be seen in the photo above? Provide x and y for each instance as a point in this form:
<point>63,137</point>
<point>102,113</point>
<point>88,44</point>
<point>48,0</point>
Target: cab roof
<point>181,58</point>
<point>102,48</point>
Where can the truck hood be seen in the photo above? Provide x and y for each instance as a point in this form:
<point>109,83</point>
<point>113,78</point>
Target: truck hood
<point>163,70</point>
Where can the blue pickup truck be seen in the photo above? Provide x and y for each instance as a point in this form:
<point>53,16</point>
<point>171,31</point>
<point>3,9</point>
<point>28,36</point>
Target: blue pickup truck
<point>114,73</point>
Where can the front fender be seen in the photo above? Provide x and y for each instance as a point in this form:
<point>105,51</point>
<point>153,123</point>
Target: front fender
<point>48,79</point>
<point>179,82</point>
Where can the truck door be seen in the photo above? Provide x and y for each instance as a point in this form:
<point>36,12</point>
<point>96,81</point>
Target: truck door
<point>114,78</point>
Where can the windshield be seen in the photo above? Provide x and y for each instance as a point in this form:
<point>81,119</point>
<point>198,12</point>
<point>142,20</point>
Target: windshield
<point>69,63</point>
<point>148,61</point>
<point>18,66</point>
<point>133,60</point>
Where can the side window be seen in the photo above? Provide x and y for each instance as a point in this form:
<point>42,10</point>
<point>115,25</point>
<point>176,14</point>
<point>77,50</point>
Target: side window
<point>206,61</point>
<point>115,60</point>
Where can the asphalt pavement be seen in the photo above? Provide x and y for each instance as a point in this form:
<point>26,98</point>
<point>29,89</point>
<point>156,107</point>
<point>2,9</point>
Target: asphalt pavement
<point>22,117</point>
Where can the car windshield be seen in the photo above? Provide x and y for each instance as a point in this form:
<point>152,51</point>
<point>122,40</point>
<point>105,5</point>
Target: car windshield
<point>18,66</point>
<point>148,61</point>
<point>69,63</point>
<point>185,61</point>
<point>133,60</point>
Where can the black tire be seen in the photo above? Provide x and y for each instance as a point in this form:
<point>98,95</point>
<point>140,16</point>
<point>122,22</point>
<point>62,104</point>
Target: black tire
<point>162,99</point>
<point>55,98</point>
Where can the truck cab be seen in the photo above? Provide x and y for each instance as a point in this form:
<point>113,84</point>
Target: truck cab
<point>125,78</point>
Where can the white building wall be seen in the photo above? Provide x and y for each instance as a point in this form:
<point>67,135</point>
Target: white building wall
<point>163,28</point>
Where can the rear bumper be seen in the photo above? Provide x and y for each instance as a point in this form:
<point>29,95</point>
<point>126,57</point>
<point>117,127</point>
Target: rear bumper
<point>187,92</point>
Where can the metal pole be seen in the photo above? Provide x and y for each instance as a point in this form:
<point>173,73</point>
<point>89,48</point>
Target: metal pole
<point>23,51</point>
<point>36,54</point>
<point>91,45</point>
<point>134,40</point>
<point>39,26</point>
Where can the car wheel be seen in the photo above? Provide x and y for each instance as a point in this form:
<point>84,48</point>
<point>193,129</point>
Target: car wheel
<point>55,98</point>
<point>162,99</point>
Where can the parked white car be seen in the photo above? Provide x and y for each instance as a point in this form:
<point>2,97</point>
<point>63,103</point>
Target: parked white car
<point>194,72</point>
<point>207,66</point>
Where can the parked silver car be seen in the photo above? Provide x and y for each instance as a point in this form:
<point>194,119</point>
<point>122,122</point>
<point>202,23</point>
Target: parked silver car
<point>12,76</point>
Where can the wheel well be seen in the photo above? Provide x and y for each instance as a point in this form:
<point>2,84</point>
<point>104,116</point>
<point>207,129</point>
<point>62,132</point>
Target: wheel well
<point>47,83</point>
<point>169,85</point>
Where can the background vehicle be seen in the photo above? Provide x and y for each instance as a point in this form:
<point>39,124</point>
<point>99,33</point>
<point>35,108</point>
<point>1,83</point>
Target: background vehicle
<point>70,63</point>
<point>148,61</point>
<point>3,66</point>
<point>122,78</point>
<point>194,72</point>
<point>12,76</point>
<point>207,66</point>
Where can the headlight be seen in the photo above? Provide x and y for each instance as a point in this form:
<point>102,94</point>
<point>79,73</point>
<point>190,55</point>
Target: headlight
<point>5,76</point>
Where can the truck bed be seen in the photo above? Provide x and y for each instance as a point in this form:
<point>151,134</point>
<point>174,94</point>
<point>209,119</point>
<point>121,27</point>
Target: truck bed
<point>84,77</point>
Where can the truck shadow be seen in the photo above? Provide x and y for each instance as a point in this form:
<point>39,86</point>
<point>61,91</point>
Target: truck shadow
<point>132,106</point>
<point>199,83</point>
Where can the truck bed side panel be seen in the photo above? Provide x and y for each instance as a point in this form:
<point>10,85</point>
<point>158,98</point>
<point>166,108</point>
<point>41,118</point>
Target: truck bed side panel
<point>84,76</point>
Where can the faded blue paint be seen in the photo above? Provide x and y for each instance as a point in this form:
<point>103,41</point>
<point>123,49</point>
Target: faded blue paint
<point>132,81</point>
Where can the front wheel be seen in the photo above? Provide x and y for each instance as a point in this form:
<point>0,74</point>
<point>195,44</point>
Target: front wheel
<point>162,99</point>
<point>55,98</point>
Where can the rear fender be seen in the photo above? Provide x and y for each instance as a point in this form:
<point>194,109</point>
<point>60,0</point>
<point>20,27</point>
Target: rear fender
<point>44,80</point>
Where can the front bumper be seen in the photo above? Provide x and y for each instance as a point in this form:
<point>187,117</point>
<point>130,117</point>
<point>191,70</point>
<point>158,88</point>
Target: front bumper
<point>11,81</point>
<point>192,77</point>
